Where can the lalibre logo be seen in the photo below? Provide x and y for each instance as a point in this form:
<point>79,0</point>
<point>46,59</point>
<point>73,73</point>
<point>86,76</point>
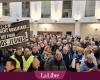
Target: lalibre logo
<point>49,75</point>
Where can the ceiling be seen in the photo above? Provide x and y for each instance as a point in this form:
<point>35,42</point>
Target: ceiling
<point>25,0</point>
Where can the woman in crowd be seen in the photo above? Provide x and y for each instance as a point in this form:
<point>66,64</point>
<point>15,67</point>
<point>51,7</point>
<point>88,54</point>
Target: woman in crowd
<point>47,56</point>
<point>34,65</point>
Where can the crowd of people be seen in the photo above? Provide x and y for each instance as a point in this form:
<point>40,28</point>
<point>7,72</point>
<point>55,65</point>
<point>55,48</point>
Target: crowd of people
<point>50,52</point>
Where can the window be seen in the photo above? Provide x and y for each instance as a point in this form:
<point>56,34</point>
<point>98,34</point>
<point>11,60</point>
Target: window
<point>90,8</point>
<point>67,8</point>
<point>6,9</point>
<point>67,4</point>
<point>25,9</point>
<point>46,9</point>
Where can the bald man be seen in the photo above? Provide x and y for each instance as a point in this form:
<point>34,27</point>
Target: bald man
<point>66,57</point>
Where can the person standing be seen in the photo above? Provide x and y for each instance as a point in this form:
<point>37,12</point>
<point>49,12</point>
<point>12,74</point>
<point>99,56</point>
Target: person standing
<point>34,65</point>
<point>27,59</point>
<point>88,65</point>
<point>57,63</point>
<point>18,58</point>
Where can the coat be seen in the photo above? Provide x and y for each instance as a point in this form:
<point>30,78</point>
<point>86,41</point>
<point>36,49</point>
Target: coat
<point>86,66</point>
<point>53,65</point>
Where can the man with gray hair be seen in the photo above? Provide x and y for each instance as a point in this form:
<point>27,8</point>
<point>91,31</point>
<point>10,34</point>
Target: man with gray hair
<point>88,65</point>
<point>57,62</point>
<point>66,56</point>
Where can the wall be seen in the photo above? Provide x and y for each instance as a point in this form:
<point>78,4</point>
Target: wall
<point>56,27</point>
<point>89,29</point>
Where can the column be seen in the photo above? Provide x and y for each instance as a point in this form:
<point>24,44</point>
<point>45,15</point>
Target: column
<point>34,28</point>
<point>35,8</point>
<point>77,28</point>
<point>56,10</point>
<point>16,9</point>
<point>78,9</point>
<point>0,9</point>
<point>97,9</point>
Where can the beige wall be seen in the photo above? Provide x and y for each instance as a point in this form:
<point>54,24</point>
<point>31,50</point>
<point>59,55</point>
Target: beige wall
<point>87,29</point>
<point>56,27</point>
<point>90,29</point>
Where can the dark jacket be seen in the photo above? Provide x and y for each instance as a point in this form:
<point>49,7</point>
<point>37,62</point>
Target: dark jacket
<point>6,56</point>
<point>37,55</point>
<point>55,65</point>
<point>41,50</point>
<point>53,48</point>
<point>71,54</point>
<point>66,60</point>
<point>79,58</point>
<point>1,56</point>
